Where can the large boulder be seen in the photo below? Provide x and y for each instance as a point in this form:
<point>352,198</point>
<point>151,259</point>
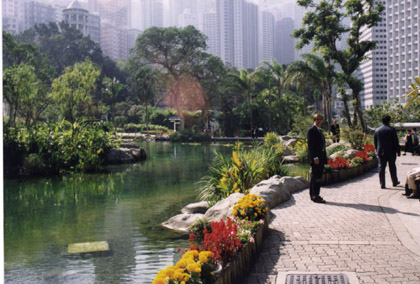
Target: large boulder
<point>182,222</point>
<point>223,208</point>
<point>334,146</point>
<point>294,184</point>
<point>276,189</point>
<point>287,151</point>
<point>125,155</point>
<point>198,207</point>
<point>290,159</point>
<point>290,142</point>
<point>119,156</point>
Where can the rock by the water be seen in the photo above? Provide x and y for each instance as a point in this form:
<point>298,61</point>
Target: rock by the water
<point>182,222</point>
<point>276,189</point>
<point>270,191</point>
<point>125,156</point>
<point>198,207</point>
<point>294,184</point>
<point>288,152</point>
<point>290,142</point>
<point>334,146</point>
<point>223,208</point>
<point>290,159</point>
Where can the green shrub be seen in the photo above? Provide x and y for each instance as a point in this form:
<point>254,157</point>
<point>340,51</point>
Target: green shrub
<point>301,150</point>
<point>271,139</point>
<point>240,172</point>
<point>33,164</point>
<point>55,147</point>
<point>355,137</point>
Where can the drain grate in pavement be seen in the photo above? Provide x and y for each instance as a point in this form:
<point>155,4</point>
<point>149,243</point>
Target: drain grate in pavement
<point>317,279</point>
<point>409,164</point>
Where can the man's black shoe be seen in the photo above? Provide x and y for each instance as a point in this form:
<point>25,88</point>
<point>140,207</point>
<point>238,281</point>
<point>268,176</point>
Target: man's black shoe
<point>318,199</point>
<point>383,186</point>
<point>395,184</point>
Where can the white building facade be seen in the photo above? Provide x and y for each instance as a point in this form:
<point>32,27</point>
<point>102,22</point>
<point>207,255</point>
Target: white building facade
<point>266,36</point>
<point>373,71</point>
<point>403,29</point>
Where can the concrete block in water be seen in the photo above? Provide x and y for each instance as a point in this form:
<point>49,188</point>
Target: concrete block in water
<point>88,247</point>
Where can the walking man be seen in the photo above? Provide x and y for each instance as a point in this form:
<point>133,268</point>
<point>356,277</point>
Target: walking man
<point>387,147</point>
<point>317,157</point>
<point>335,131</point>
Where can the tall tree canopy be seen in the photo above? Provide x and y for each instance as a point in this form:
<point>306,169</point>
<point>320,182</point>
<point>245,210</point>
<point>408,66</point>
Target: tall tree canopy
<point>73,90</point>
<point>324,26</point>
<point>175,51</point>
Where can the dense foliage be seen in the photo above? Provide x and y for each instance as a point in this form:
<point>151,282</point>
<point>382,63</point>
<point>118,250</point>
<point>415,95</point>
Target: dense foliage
<point>241,171</point>
<point>51,148</point>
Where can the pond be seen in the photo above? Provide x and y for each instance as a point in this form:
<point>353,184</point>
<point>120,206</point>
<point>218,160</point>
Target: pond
<point>124,207</point>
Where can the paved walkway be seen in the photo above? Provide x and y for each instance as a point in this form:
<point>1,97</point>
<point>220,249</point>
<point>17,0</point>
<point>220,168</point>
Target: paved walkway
<point>370,232</point>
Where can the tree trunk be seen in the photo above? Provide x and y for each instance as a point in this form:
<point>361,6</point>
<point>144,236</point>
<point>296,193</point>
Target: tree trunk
<point>269,110</point>
<point>250,110</point>
<point>346,107</point>
<point>147,116</point>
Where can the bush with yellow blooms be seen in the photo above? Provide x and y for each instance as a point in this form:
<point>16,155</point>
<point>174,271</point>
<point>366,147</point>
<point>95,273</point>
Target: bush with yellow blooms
<point>194,267</point>
<point>251,207</point>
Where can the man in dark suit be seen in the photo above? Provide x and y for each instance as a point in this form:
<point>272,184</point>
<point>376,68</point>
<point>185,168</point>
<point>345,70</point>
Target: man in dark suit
<point>387,147</point>
<point>317,157</point>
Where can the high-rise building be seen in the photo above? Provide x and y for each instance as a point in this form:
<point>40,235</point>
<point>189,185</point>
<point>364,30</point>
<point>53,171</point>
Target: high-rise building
<point>79,18</point>
<point>149,13</point>
<point>114,41</point>
<point>237,22</point>
<point>38,13</point>
<point>250,32</point>
<point>266,36</point>
<point>116,12</point>
<point>186,18</point>
<point>284,43</point>
<point>225,15</point>
<point>373,72</point>
<point>12,16</point>
<point>207,24</point>
<point>403,30</point>
<point>132,35</point>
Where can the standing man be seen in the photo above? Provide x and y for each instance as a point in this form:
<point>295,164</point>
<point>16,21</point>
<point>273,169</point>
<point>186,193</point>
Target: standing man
<point>317,157</point>
<point>387,147</point>
<point>335,131</point>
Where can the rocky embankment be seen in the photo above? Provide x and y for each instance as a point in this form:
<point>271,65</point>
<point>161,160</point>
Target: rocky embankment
<point>129,152</point>
<point>274,191</point>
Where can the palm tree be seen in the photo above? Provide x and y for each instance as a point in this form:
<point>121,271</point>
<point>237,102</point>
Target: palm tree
<point>243,82</point>
<point>112,88</point>
<point>143,86</point>
<point>264,77</point>
<point>278,72</point>
<point>414,92</point>
<point>314,72</point>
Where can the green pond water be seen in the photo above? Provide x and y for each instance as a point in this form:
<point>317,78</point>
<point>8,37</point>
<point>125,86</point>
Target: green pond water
<point>124,206</point>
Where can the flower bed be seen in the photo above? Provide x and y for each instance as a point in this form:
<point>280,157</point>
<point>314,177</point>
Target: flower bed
<point>245,258</point>
<point>341,169</point>
<point>233,243</point>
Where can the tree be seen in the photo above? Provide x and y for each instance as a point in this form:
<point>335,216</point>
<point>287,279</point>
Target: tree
<point>15,54</point>
<point>176,51</point>
<point>112,87</point>
<point>20,86</point>
<point>72,91</point>
<point>278,72</point>
<point>210,73</point>
<point>143,81</point>
<point>264,77</point>
<point>313,71</point>
<point>323,25</point>
<point>243,82</point>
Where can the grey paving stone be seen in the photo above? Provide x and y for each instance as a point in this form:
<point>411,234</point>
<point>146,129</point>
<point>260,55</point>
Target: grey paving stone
<point>370,231</point>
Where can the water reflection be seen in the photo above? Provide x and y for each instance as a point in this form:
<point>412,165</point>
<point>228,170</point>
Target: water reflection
<point>124,206</point>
